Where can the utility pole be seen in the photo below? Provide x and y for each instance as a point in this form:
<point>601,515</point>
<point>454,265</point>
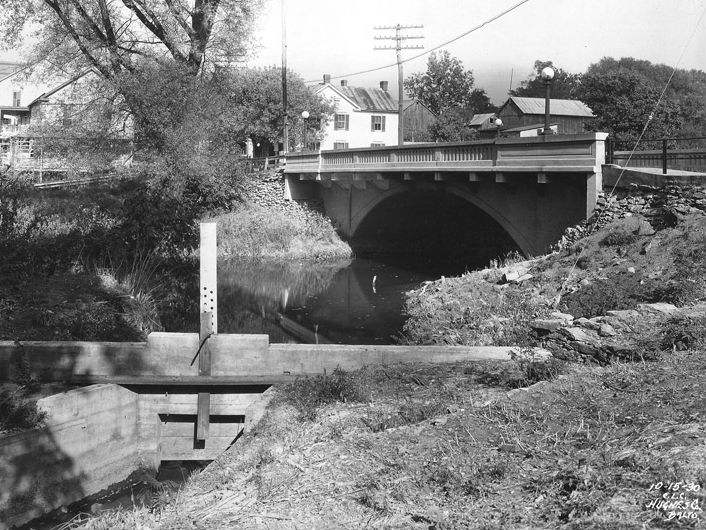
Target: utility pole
<point>285,131</point>
<point>399,46</point>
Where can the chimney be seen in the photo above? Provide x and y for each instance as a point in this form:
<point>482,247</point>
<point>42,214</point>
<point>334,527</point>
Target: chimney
<point>344,82</point>
<point>383,85</point>
<point>327,79</point>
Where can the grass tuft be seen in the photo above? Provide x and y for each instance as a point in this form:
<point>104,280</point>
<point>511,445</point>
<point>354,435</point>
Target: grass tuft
<point>309,394</point>
<point>17,412</point>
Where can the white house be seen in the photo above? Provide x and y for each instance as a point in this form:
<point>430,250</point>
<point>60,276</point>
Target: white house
<point>15,95</point>
<point>364,117</point>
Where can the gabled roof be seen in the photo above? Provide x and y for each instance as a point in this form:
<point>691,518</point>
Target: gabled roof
<point>370,99</point>
<point>559,107</point>
<point>7,69</point>
<point>479,119</point>
<point>365,99</point>
<point>529,127</point>
<point>60,87</point>
<point>406,103</point>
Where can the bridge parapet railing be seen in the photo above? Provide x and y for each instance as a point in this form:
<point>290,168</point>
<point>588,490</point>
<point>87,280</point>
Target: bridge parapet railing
<point>576,153</point>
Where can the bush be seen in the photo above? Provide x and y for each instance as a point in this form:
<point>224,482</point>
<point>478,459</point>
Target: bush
<point>162,213</point>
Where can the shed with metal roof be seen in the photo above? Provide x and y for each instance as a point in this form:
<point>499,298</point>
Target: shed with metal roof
<point>571,116</point>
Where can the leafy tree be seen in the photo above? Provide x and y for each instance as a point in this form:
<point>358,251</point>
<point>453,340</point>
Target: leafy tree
<point>623,102</point>
<point>452,126</point>
<point>110,35</point>
<point>445,85</point>
<point>480,102</point>
<point>685,91</point>
<point>563,85</point>
<point>126,41</point>
<point>254,104</point>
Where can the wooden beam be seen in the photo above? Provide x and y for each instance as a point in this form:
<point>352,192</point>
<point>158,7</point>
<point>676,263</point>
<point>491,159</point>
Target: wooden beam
<point>166,358</point>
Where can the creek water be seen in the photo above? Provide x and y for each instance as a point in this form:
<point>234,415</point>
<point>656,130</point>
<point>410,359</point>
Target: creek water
<point>351,301</point>
<point>357,301</point>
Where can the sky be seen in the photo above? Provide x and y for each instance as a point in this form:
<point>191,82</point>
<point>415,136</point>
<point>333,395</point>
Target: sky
<point>334,37</point>
<point>337,38</point>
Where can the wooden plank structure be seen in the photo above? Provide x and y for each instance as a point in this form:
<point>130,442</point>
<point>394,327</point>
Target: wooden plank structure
<point>190,410</point>
<point>167,408</point>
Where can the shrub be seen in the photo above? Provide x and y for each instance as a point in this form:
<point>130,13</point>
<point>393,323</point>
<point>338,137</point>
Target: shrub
<point>162,213</point>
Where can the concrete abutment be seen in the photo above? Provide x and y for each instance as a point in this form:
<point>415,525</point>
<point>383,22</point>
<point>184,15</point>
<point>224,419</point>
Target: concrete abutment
<point>533,210</point>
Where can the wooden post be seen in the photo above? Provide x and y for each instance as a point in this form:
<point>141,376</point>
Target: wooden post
<point>208,319</point>
<point>203,408</point>
<point>208,258</point>
<point>664,157</point>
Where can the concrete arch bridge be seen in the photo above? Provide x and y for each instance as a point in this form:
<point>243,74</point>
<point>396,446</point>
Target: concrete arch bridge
<point>520,192</point>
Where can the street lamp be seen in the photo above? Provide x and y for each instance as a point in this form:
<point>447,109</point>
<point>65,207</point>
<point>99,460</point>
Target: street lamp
<point>305,115</point>
<point>547,76</point>
<point>498,124</point>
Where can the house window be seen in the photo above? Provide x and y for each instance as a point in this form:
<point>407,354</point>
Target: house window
<point>69,114</point>
<point>377,144</point>
<point>17,98</point>
<point>340,145</point>
<point>341,122</point>
<point>377,123</point>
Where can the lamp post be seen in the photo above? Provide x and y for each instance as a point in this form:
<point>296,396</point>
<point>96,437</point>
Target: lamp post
<point>547,76</point>
<point>305,116</point>
<point>498,124</point>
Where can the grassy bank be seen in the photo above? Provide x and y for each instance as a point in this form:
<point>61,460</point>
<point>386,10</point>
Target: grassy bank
<point>253,231</point>
<point>596,444</point>
<point>423,446</point>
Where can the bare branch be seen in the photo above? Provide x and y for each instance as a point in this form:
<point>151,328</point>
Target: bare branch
<point>151,22</point>
<point>181,20</point>
<point>74,35</point>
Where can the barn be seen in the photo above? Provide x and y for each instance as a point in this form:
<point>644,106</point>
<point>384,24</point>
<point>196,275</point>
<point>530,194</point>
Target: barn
<point>569,115</point>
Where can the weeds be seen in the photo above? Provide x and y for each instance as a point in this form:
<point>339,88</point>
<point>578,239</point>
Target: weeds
<point>256,232</point>
<point>410,413</point>
<point>17,412</point>
<point>309,394</point>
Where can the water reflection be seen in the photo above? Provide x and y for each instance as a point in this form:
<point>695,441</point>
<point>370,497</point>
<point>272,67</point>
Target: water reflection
<point>349,302</point>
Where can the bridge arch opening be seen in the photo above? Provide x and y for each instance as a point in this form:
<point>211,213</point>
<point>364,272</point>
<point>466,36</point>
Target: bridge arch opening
<point>441,231</point>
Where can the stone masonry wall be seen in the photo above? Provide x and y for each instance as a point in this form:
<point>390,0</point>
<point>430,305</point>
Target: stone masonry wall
<point>661,206</point>
<point>266,189</point>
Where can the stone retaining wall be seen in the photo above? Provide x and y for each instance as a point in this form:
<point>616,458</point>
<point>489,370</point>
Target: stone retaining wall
<point>662,206</point>
<point>266,189</point>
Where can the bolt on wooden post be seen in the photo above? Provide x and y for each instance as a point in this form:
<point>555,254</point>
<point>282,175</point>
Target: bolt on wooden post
<point>208,294</point>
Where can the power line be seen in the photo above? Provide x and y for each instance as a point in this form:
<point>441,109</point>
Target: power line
<point>398,47</point>
<point>475,28</point>
<point>655,108</point>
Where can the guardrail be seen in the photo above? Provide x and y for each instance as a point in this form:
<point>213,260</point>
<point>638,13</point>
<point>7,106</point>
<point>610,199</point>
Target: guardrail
<point>580,153</point>
<point>685,160</point>
<point>262,163</point>
<point>690,158</point>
